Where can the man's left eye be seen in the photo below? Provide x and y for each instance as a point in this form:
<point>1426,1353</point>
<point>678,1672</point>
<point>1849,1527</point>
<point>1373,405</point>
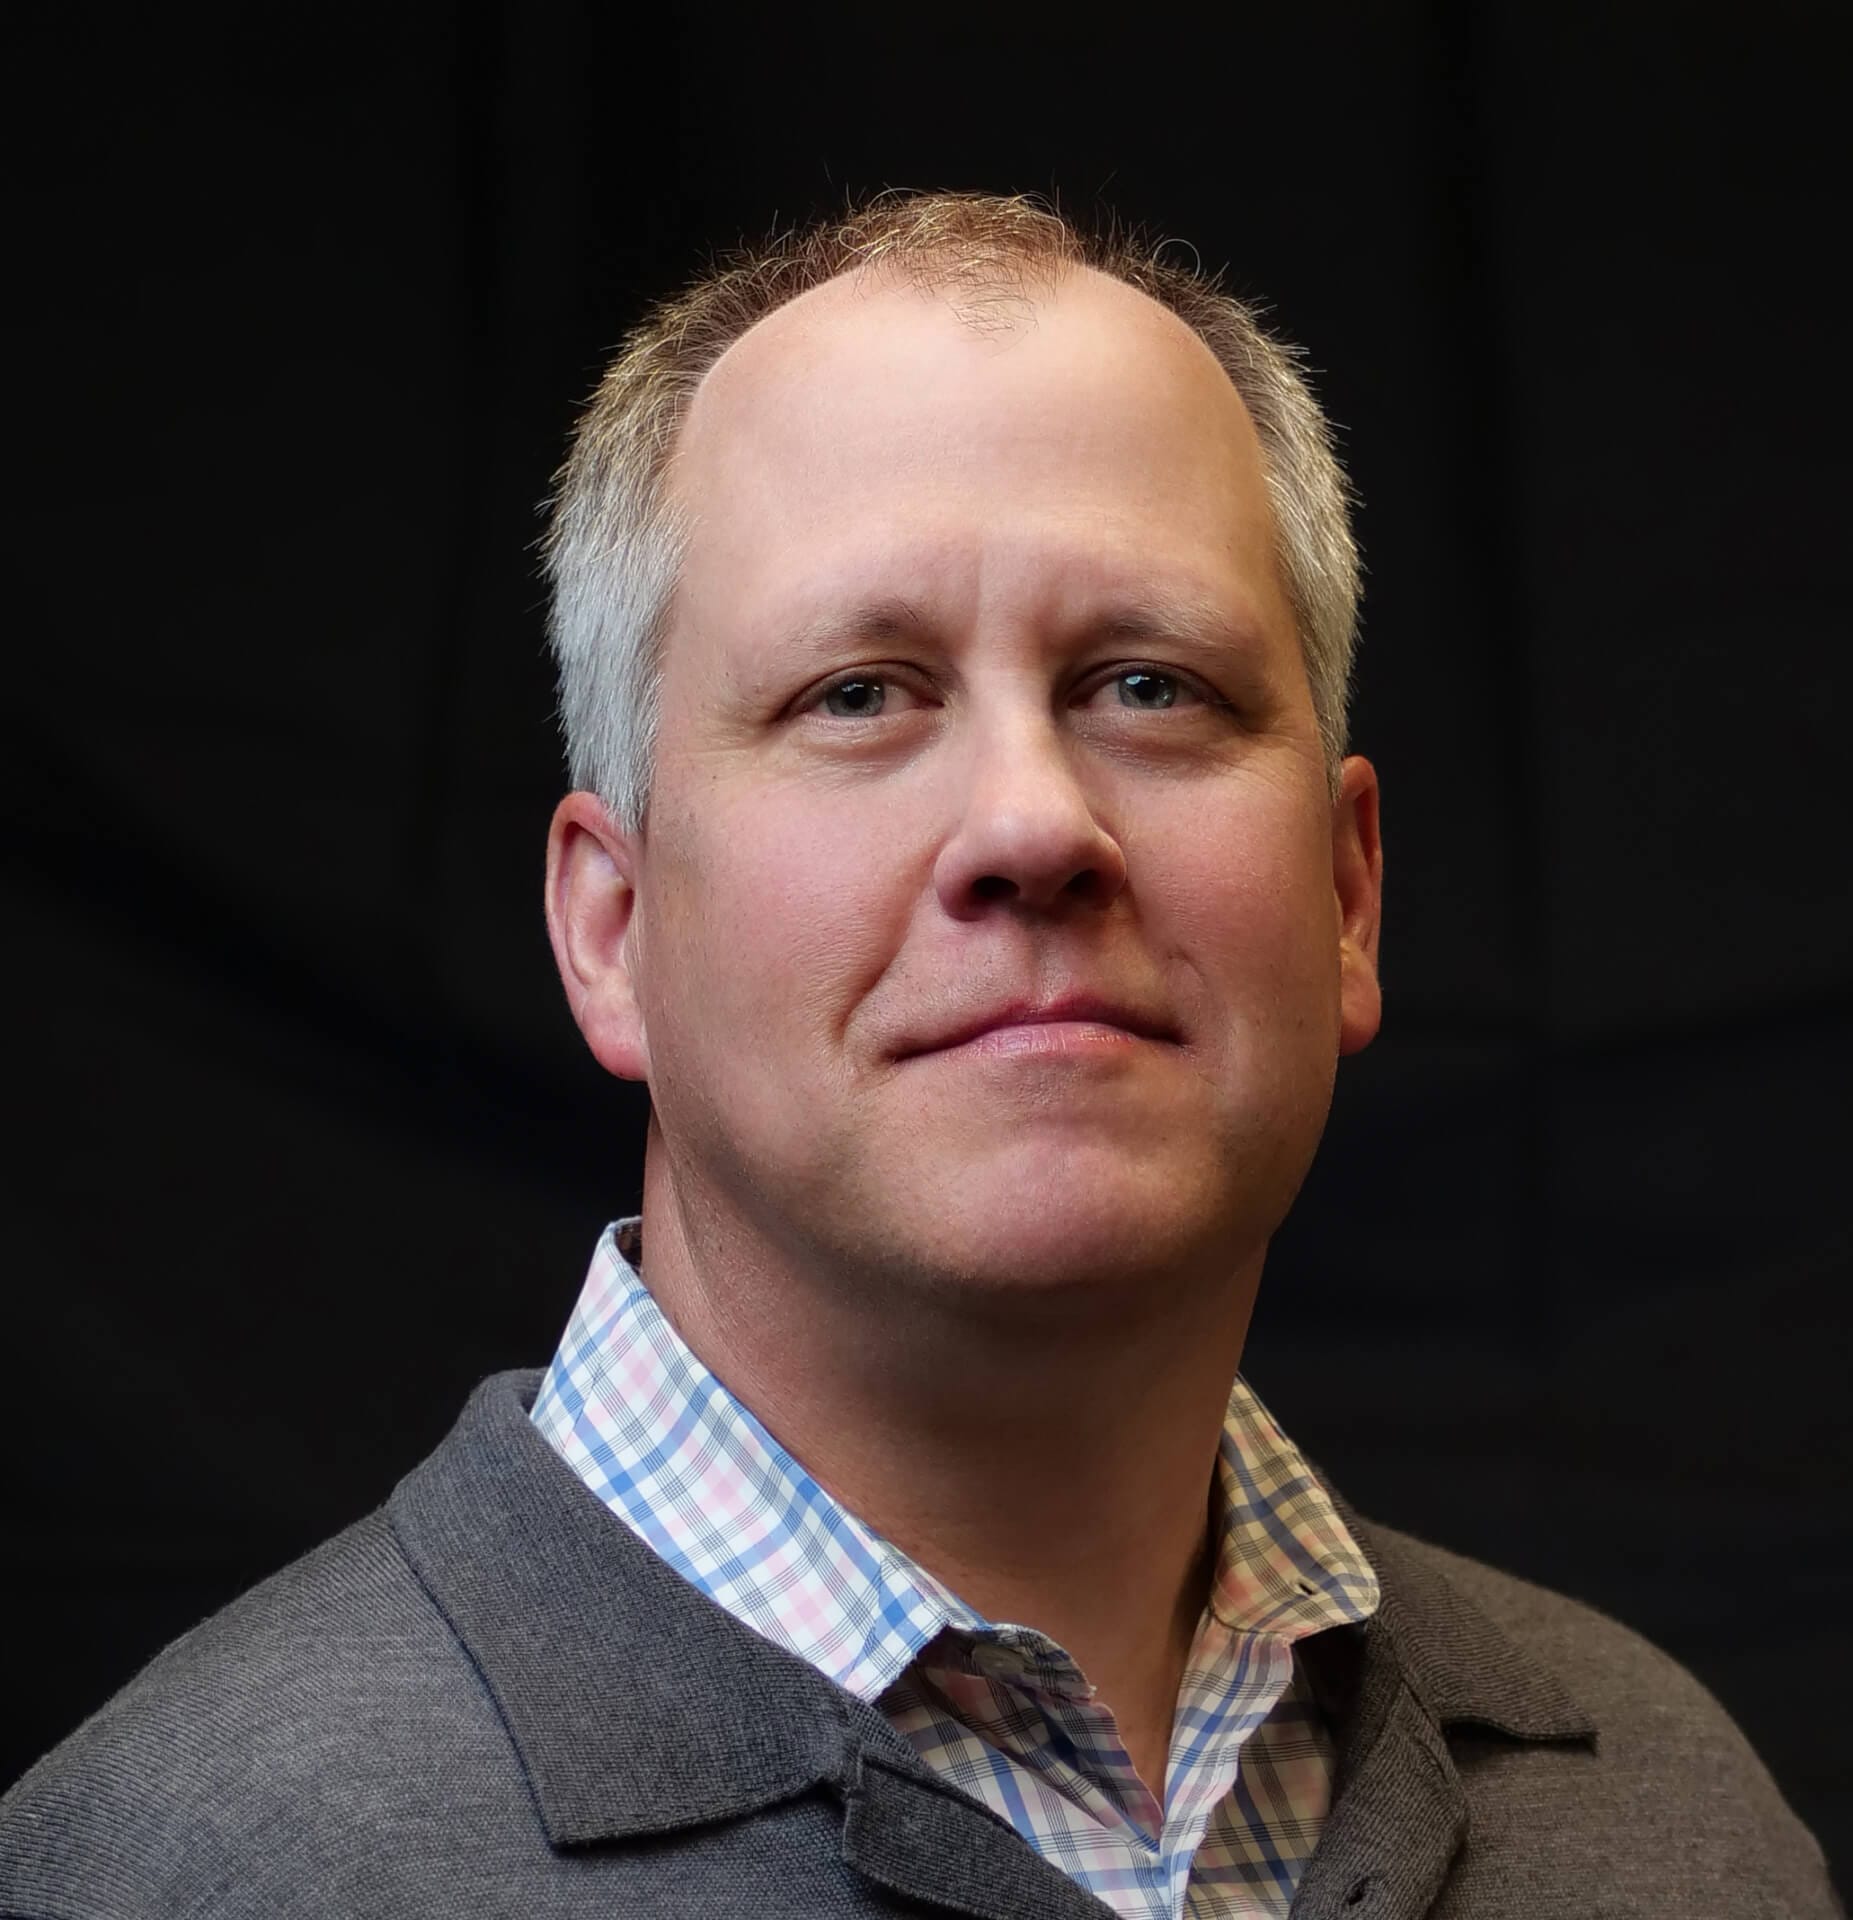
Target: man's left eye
<point>859,697</point>
<point>1148,689</point>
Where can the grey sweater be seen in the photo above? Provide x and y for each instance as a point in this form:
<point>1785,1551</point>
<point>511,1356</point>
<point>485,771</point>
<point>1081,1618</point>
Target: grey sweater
<point>490,1699</point>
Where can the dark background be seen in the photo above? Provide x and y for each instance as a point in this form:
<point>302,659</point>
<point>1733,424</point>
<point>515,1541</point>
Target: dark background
<point>303,1141</point>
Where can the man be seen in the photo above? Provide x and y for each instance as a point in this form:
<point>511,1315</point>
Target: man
<point>954,621</point>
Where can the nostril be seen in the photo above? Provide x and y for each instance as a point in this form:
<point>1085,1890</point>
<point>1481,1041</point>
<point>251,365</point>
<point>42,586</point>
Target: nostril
<point>993,886</point>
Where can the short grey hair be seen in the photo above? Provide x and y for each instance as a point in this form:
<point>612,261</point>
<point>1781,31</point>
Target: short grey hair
<point>616,541</point>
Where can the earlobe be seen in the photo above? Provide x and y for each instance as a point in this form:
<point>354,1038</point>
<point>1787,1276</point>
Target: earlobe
<point>591,920</point>
<point>1357,881</point>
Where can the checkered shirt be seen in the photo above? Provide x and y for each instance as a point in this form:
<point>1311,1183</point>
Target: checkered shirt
<point>1000,1710</point>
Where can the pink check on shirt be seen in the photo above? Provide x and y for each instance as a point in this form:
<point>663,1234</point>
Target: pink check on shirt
<point>1000,1710</point>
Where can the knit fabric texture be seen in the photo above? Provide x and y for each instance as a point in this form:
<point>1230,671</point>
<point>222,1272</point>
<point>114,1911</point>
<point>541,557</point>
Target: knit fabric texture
<point>487,1700</point>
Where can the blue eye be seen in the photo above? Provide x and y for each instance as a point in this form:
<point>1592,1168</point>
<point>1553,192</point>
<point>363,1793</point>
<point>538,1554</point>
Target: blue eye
<point>1140,687</point>
<point>855,699</point>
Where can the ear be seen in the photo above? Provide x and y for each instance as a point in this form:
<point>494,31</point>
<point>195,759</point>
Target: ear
<point>1357,884</point>
<point>591,908</point>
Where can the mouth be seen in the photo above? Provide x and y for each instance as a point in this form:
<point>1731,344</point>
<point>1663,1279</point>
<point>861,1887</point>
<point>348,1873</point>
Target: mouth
<point>1073,1024</point>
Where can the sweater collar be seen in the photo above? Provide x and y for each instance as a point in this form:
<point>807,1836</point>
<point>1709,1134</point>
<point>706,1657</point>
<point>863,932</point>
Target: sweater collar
<point>1462,1669</point>
<point>595,1650</point>
<point>640,1707</point>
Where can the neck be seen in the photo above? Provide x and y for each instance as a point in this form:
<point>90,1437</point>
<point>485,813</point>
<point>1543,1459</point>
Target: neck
<point>1053,1467</point>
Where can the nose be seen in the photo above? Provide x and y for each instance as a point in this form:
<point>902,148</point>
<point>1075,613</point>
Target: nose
<point>1027,834</point>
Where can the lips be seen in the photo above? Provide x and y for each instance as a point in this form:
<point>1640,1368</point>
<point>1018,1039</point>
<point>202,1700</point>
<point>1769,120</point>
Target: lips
<point>1094,1009</point>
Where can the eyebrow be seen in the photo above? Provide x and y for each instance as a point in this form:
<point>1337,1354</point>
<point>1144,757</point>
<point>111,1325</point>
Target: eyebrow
<point>889,618</point>
<point>1162,615</point>
<point>1146,614</point>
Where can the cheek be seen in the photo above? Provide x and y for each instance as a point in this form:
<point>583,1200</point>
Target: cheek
<point>771,920</point>
<point>1247,899</point>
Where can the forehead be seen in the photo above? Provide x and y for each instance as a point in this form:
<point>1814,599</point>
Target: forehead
<point>854,317</point>
<point>868,423</point>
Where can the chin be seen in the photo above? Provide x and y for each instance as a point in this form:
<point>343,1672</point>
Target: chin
<point>1120,1216</point>
<point>1109,1240</point>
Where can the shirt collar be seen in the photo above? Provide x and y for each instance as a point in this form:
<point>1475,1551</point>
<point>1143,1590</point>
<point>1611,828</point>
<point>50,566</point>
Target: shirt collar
<point>697,1477</point>
<point>640,1708</point>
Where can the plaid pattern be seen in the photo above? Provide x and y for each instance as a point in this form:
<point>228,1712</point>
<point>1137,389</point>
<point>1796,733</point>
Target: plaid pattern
<point>1000,1710</point>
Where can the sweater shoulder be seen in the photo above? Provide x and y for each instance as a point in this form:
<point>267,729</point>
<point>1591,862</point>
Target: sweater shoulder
<point>1607,1666</point>
<point>1670,1794</point>
<point>310,1705</point>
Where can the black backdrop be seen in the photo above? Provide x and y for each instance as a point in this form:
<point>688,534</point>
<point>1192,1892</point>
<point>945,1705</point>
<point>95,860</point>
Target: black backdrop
<point>302,1140</point>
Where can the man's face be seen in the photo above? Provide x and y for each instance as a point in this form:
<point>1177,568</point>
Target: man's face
<point>992,925</point>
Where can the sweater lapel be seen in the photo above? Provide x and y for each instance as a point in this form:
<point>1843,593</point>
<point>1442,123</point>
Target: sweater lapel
<point>913,1833</point>
<point>637,1705</point>
<point>1399,1815</point>
<point>640,1708</point>
<point>1427,1660</point>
